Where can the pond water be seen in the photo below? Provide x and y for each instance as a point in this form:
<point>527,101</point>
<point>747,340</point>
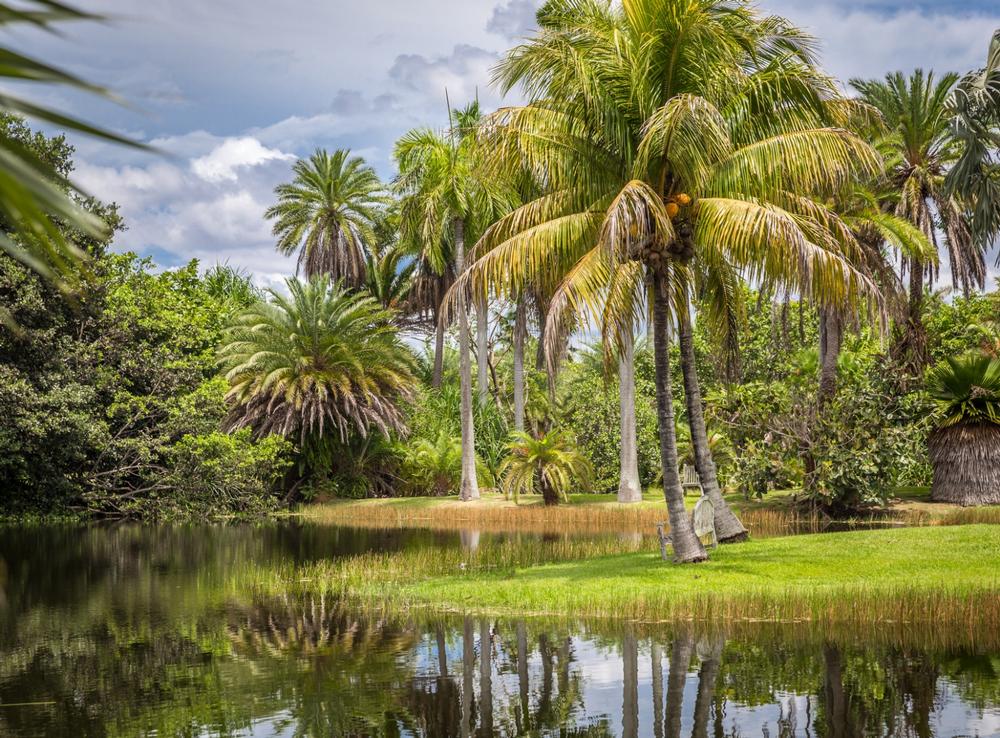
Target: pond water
<point>128,631</point>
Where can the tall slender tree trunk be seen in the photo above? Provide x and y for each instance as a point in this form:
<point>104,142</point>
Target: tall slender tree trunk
<point>630,686</point>
<point>469,489</point>
<point>687,547</point>
<point>520,329</point>
<point>628,484</point>
<point>482,339</point>
<point>680,660</point>
<point>728,527</point>
<point>438,350</point>
<point>830,342</point>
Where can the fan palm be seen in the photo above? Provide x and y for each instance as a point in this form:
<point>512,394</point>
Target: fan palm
<point>919,150</point>
<point>328,213</point>
<point>552,460</point>
<point>667,130</point>
<point>965,447</point>
<point>447,196</point>
<point>318,366</point>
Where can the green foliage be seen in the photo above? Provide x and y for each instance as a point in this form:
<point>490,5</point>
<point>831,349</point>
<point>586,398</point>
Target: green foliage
<point>319,366</point>
<point>967,389</point>
<point>434,467</point>
<point>551,464</point>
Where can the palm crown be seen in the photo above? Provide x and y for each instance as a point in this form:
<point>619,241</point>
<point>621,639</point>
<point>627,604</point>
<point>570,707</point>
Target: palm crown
<point>317,361</point>
<point>328,214</point>
<point>967,389</point>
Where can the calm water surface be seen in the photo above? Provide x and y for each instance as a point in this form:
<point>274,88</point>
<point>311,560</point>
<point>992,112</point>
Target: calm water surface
<point>130,631</point>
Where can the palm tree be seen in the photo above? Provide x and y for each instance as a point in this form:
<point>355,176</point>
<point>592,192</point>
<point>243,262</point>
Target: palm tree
<point>975,124</point>
<point>919,150</point>
<point>552,461</point>
<point>965,447</point>
<point>328,214</point>
<point>318,366</point>
<point>702,156</point>
<point>447,196</point>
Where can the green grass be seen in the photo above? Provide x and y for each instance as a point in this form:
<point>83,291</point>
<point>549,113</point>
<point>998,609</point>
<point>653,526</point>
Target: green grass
<point>918,575</point>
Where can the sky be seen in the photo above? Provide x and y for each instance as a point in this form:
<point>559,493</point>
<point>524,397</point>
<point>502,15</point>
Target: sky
<point>233,91</point>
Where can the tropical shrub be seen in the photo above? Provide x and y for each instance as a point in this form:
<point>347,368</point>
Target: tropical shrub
<point>433,467</point>
<point>550,465</point>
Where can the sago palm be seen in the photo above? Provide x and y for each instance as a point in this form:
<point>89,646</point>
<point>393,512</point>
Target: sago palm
<point>446,197</point>
<point>965,447</point>
<point>327,214</point>
<point>317,365</point>
<point>667,131</point>
<point>552,462</point>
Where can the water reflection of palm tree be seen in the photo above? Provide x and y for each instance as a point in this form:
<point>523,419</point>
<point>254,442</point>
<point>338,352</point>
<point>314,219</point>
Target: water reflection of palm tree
<point>656,653</point>
<point>680,661</point>
<point>468,664</point>
<point>707,675</point>
<point>522,718</point>
<point>630,686</point>
<point>486,678</point>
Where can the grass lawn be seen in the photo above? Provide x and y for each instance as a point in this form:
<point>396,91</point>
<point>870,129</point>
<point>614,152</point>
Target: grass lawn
<point>909,574</point>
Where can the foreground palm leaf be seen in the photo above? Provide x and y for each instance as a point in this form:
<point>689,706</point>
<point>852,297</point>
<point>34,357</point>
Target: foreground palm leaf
<point>38,205</point>
<point>317,364</point>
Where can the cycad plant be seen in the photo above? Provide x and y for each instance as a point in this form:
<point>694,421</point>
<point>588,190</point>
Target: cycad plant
<point>318,366</point>
<point>328,213</point>
<point>965,447</point>
<point>674,137</point>
<point>549,464</point>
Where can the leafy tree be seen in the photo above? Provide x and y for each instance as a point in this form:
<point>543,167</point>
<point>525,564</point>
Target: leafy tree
<point>328,213</point>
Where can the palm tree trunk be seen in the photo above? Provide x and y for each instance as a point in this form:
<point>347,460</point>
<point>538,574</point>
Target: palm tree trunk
<point>469,489</point>
<point>628,485</point>
<point>438,351</point>
<point>830,341</point>
<point>687,547</point>
<point>482,336</point>
<point>520,328</point>
<point>728,527</point>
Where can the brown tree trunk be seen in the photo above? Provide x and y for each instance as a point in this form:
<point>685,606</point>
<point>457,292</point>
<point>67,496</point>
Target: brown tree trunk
<point>728,527</point>
<point>549,495</point>
<point>830,342</point>
<point>438,351</point>
<point>707,676</point>
<point>469,489</point>
<point>687,547</point>
<point>656,653</point>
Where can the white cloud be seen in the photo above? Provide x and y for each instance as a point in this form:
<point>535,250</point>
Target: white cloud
<point>233,154</point>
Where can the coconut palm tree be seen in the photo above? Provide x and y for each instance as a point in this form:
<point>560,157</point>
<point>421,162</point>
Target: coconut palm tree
<point>919,150</point>
<point>327,213</point>
<point>702,154</point>
<point>552,461</point>
<point>448,196</point>
<point>965,446</point>
<point>318,366</point>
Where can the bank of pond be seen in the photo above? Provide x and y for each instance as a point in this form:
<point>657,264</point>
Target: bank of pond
<point>264,630</point>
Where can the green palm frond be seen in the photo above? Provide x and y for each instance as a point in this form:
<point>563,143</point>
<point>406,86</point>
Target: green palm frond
<point>967,389</point>
<point>316,362</point>
<point>552,459</point>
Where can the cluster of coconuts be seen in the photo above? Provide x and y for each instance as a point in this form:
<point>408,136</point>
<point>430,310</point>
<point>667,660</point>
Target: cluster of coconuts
<point>655,252</point>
